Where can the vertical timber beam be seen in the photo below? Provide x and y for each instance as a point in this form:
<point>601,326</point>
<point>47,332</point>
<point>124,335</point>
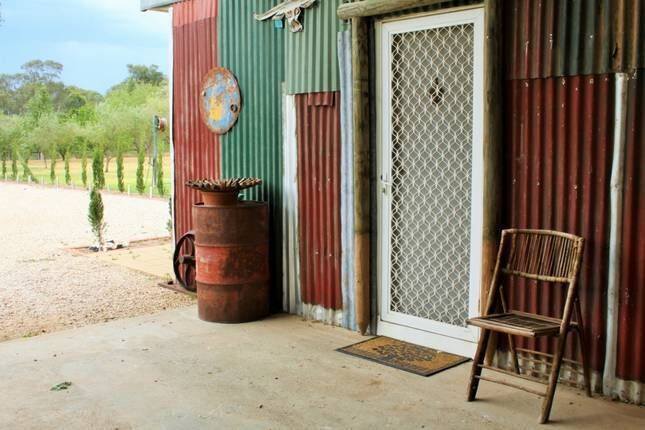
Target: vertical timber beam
<point>617,186</point>
<point>361,137</point>
<point>492,189</point>
<point>492,143</point>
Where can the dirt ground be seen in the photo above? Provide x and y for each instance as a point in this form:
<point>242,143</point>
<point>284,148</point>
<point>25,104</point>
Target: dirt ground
<point>44,287</point>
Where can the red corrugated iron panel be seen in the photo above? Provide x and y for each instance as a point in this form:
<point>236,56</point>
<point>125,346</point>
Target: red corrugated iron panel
<point>319,145</point>
<point>190,11</point>
<point>557,171</point>
<point>631,324</point>
<point>548,38</point>
<point>196,148</point>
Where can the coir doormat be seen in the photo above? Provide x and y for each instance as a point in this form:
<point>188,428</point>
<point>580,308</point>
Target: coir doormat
<point>403,355</point>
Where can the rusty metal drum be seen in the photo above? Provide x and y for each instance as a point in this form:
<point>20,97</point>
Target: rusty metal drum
<point>232,261</point>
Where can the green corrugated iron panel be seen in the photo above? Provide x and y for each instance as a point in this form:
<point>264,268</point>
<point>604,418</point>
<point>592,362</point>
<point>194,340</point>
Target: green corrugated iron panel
<point>311,58</point>
<point>254,52</point>
<point>576,37</point>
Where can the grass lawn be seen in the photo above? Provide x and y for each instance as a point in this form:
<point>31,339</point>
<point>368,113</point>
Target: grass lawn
<point>41,173</point>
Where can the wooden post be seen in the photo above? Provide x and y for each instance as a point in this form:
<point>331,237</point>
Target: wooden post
<point>360,90</point>
<point>492,142</point>
<point>492,189</point>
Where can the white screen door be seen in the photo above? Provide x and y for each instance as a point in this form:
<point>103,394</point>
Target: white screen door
<point>429,80</point>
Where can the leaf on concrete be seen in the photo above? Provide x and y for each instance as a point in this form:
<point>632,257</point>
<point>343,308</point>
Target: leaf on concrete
<point>62,386</point>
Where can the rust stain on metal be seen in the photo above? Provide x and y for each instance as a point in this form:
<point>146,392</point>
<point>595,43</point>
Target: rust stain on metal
<point>220,100</point>
<point>232,261</point>
<point>183,261</point>
<point>196,148</point>
<point>558,152</point>
<point>551,38</point>
<point>223,185</point>
<point>319,152</point>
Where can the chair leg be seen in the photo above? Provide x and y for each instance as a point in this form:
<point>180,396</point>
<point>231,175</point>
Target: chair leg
<point>476,371</point>
<point>511,346</point>
<point>553,378</point>
<point>583,349</point>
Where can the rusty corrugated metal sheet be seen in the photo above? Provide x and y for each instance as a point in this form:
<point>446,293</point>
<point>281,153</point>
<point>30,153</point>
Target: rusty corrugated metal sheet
<point>319,152</point>
<point>311,59</point>
<point>196,148</point>
<point>557,172</point>
<point>254,52</point>
<point>190,11</point>
<point>630,364</point>
<point>548,38</point>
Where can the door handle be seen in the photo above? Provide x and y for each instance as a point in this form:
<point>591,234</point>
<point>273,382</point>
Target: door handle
<point>385,186</point>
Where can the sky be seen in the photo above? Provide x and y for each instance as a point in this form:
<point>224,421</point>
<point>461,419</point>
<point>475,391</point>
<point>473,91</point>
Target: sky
<point>93,39</point>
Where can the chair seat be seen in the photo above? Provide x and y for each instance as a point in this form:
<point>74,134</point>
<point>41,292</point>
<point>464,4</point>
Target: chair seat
<point>518,323</point>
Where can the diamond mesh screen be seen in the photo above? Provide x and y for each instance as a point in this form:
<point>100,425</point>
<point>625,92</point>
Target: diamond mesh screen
<point>432,88</point>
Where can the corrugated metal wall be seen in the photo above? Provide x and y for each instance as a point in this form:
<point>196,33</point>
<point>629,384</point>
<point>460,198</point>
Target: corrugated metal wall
<point>577,37</point>
<point>560,56</point>
<point>560,62</point>
<point>631,343</point>
<point>196,148</point>
<point>311,58</point>
<point>254,52</point>
<point>319,151</point>
<point>558,157</point>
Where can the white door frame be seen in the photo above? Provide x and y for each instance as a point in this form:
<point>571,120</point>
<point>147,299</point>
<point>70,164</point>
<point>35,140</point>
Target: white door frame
<point>458,340</point>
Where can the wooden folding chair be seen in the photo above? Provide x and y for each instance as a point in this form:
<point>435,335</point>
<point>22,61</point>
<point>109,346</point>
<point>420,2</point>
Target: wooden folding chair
<point>541,255</point>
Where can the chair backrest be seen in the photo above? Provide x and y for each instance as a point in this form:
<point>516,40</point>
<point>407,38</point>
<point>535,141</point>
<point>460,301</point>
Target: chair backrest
<point>542,255</point>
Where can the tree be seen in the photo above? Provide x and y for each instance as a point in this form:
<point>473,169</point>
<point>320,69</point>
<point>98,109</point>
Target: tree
<point>39,105</point>
<point>12,144</point>
<point>119,171</point>
<point>50,135</point>
<point>14,162</point>
<point>141,158</point>
<point>159,170</point>
<point>68,176</point>
<point>17,89</point>
<point>95,217</point>
<point>79,105</point>
<point>7,137</point>
<point>41,71</point>
<point>84,164</point>
<point>143,74</point>
<point>52,164</point>
<point>9,103</point>
<point>97,168</point>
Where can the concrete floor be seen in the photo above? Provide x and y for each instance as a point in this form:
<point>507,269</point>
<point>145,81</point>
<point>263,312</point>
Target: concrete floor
<point>172,371</point>
<point>155,260</point>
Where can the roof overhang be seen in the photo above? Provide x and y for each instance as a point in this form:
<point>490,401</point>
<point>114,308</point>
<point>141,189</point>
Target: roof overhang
<point>365,8</point>
<point>156,5</point>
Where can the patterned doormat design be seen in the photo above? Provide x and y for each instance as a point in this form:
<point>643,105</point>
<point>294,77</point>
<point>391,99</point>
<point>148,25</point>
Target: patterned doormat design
<point>403,355</point>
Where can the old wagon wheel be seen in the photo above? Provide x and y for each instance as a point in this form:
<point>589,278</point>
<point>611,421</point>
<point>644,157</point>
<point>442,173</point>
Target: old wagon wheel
<point>183,261</point>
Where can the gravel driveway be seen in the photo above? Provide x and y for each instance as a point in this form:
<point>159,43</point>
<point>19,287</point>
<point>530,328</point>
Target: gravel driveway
<point>43,287</point>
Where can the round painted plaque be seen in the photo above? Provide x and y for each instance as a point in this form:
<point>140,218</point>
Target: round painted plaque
<point>220,100</point>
